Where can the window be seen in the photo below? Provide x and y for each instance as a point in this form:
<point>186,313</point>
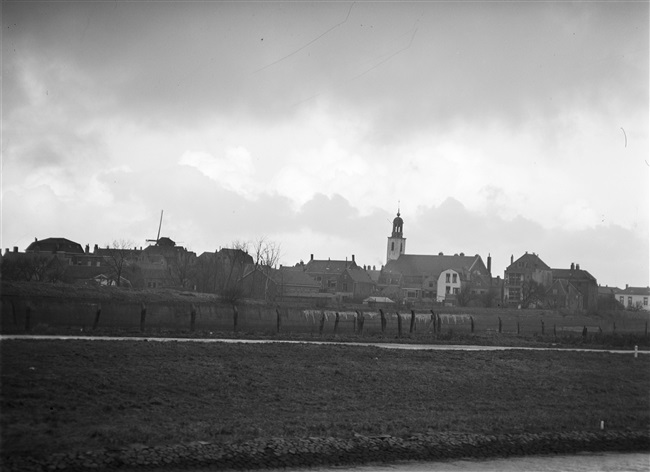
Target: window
<point>456,290</point>
<point>331,284</point>
<point>629,301</point>
<point>447,278</point>
<point>345,287</point>
<point>622,300</point>
<point>455,278</point>
<point>431,286</point>
<point>392,245</point>
<point>645,301</point>
<point>447,289</point>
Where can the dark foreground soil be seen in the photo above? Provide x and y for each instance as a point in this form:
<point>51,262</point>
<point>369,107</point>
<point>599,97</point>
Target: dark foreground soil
<point>60,399</point>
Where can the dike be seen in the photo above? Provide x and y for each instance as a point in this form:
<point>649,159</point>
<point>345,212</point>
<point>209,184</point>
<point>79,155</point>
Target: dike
<point>311,452</point>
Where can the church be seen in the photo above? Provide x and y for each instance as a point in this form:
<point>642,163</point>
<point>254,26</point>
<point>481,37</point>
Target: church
<point>438,278</point>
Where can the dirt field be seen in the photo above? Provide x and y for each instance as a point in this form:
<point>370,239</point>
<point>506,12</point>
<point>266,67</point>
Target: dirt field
<point>78,395</point>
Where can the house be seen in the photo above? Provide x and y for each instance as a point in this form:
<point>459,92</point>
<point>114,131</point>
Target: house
<point>55,245</point>
<point>581,280</point>
<point>526,280</point>
<point>267,283</point>
<point>607,298</point>
<point>634,297</point>
<point>563,295</point>
<point>438,277</point>
<point>327,272</point>
<point>356,284</point>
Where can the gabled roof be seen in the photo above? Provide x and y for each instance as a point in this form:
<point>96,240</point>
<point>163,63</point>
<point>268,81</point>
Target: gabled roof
<point>645,291</point>
<point>286,277</point>
<point>329,266</point>
<point>417,265</point>
<point>359,276</point>
<point>55,245</point>
<point>565,285</point>
<point>294,278</point>
<point>528,261</point>
<point>572,274</point>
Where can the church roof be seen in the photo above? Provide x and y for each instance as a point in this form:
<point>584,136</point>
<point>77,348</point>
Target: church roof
<point>419,265</point>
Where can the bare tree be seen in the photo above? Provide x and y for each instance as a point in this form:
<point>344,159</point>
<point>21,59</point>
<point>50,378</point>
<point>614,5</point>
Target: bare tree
<point>183,267</point>
<point>266,255</point>
<point>118,259</point>
<point>532,293</point>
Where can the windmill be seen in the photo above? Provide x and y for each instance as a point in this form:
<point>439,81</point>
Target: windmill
<point>159,227</point>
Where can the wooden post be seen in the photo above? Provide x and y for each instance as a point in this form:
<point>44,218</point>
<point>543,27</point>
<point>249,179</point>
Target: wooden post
<point>192,317</point>
<point>584,334</point>
<point>383,321</point>
<point>28,317</point>
<point>554,331</point>
<point>143,316</point>
<point>500,325</point>
<point>471,320</point>
<point>433,321</point>
<point>542,327</point>
<point>98,312</point>
<point>439,324</point>
<point>336,323</point>
<point>399,325</point>
<point>412,322</point>
<point>235,317</point>
<point>322,323</point>
<point>360,322</point>
<point>277,320</point>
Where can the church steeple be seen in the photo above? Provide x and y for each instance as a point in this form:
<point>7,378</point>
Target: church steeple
<point>396,241</point>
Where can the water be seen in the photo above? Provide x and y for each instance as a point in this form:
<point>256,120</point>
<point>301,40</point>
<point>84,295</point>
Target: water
<point>587,462</point>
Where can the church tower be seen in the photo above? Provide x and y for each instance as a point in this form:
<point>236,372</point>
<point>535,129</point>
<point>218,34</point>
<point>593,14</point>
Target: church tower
<point>396,241</point>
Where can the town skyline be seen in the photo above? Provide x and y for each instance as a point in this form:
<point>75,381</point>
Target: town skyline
<point>500,128</point>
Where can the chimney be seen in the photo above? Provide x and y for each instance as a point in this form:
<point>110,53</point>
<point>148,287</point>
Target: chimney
<point>312,257</point>
<point>373,267</point>
<point>353,258</point>
<point>625,286</point>
<point>6,250</point>
<point>512,259</point>
<point>95,249</point>
<point>15,249</point>
<point>87,248</point>
<point>572,266</point>
<point>489,267</point>
<point>577,266</point>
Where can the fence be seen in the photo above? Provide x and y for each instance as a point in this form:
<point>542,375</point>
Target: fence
<point>24,315</point>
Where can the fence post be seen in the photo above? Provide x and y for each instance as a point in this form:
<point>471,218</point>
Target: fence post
<point>399,325</point>
<point>361,320</point>
<point>542,327</point>
<point>322,323</point>
<point>412,322</point>
<point>439,324</point>
<point>383,320</point>
<point>143,316</point>
<point>336,323</point>
<point>277,319</point>
<point>554,332</point>
<point>471,320</point>
<point>433,321</point>
<point>98,312</point>
<point>235,317</point>
<point>584,334</point>
<point>192,317</point>
<point>500,325</point>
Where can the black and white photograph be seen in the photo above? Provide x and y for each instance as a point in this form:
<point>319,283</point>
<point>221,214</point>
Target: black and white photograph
<point>325,235</point>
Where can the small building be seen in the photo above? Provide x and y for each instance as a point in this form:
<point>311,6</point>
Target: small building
<point>581,280</point>
<point>526,279</point>
<point>634,297</point>
<point>356,284</point>
<point>327,272</point>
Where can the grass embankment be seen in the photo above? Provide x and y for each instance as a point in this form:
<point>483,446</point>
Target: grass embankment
<point>65,396</point>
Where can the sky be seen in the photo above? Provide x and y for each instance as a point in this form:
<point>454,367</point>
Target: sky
<point>495,128</point>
